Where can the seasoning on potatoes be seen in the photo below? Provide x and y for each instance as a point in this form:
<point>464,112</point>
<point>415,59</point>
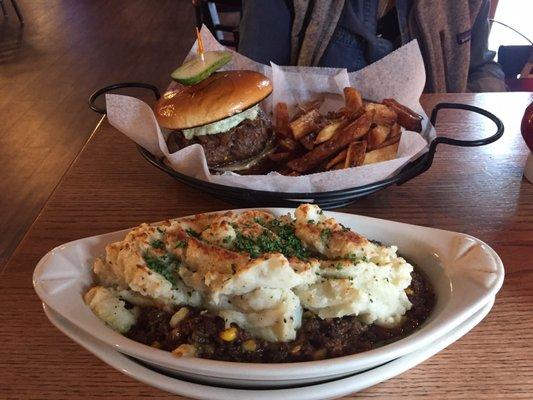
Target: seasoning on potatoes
<point>359,133</point>
<point>305,124</point>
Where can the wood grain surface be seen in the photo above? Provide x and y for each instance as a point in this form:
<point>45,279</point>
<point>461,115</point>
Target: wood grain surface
<point>66,50</point>
<point>479,191</point>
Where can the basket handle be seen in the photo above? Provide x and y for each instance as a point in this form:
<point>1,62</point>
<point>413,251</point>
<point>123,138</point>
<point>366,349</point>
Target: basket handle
<point>424,162</point>
<point>104,90</point>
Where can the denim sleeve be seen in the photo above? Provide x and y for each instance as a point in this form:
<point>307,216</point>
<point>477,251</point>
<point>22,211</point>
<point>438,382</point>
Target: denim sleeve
<point>265,31</point>
<point>485,75</point>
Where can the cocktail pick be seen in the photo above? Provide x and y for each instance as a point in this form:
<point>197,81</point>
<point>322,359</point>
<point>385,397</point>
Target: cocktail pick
<point>200,44</point>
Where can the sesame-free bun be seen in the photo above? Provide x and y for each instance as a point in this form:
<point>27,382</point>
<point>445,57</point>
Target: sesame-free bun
<point>221,95</point>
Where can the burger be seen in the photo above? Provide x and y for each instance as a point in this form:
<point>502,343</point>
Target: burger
<point>222,114</point>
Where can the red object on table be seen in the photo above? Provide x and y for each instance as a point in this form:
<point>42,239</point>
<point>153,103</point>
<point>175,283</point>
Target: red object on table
<point>527,127</point>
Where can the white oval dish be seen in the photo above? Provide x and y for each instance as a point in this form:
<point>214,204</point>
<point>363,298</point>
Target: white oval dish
<point>329,390</point>
<point>464,271</point>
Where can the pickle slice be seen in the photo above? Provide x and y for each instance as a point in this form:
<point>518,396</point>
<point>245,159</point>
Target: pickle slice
<point>196,69</point>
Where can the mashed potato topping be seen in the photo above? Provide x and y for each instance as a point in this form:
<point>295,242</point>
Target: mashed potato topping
<point>108,306</point>
<point>253,270</point>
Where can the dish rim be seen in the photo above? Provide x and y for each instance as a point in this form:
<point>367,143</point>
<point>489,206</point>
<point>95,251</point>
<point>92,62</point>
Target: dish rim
<point>293,370</point>
<point>333,389</point>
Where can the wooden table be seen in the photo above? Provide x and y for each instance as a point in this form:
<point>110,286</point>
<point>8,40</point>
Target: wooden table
<point>109,186</point>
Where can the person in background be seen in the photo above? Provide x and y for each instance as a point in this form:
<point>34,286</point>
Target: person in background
<point>452,35</point>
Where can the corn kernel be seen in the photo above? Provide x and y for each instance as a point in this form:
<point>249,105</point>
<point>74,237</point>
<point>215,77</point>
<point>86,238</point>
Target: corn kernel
<point>409,291</point>
<point>178,317</point>
<point>156,344</point>
<point>249,345</point>
<point>320,354</point>
<point>296,349</point>
<point>228,335</point>
<point>184,350</point>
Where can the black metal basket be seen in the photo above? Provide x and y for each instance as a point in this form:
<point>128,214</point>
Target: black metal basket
<point>326,200</point>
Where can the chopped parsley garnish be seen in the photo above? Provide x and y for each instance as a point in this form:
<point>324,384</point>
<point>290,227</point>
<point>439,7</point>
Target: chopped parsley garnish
<point>353,258</point>
<point>277,237</point>
<point>266,242</point>
<point>344,228</point>
<point>181,244</point>
<point>226,240</point>
<point>325,234</point>
<point>165,265</point>
<point>291,245</point>
<point>260,221</point>
<point>356,259</point>
<point>193,233</point>
<point>158,244</point>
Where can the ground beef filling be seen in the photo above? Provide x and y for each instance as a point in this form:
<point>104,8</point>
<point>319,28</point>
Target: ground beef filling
<point>245,141</point>
<point>316,339</point>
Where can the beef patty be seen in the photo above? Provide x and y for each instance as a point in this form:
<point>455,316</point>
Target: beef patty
<point>245,141</point>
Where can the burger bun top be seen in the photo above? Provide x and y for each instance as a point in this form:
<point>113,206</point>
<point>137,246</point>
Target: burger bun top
<point>221,95</point>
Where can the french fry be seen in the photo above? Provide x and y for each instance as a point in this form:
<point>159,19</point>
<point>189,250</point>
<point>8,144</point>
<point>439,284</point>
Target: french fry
<point>305,124</point>
<point>390,140</point>
<point>304,108</point>
<point>382,154</point>
<point>355,154</point>
<point>348,134</point>
<point>395,130</point>
<point>350,114</point>
<point>339,158</point>
<point>310,105</point>
<point>308,141</point>
<point>330,130</point>
<point>383,114</point>
<point>353,99</point>
<point>359,133</point>
<point>284,170</point>
<point>360,126</point>
<point>280,157</point>
<point>282,119</point>
<point>406,117</point>
<point>378,135</point>
<point>288,172</point>
<point>288,144</point>
<point>344,112</point>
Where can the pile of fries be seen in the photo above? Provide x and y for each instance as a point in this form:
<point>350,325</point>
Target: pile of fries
<point>359,133</point>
